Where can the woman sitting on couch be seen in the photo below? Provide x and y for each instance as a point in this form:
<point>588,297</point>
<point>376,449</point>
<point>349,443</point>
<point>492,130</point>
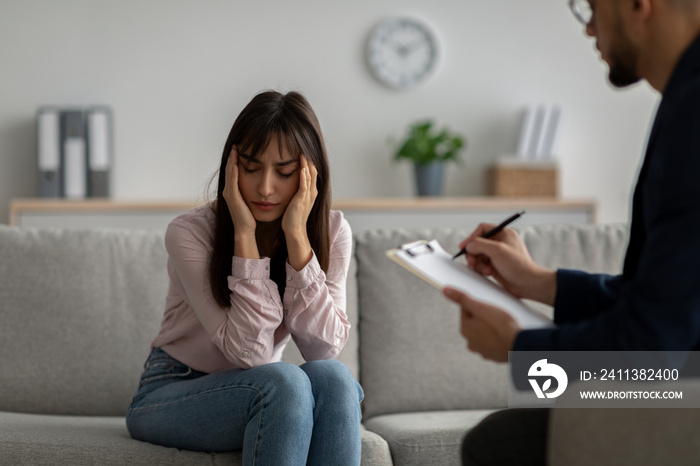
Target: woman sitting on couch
<point>266,262</point>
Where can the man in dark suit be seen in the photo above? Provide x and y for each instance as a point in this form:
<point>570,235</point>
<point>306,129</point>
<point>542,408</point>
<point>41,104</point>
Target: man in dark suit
<point>654,304</point>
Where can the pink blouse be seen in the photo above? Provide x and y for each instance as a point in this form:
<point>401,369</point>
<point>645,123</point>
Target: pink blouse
<point>259,323</point>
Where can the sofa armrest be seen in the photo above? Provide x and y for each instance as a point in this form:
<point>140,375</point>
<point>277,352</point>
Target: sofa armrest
<point>625,436</point>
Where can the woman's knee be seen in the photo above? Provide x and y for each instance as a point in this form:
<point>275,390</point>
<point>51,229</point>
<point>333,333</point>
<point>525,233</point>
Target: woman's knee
<point>288,382</point>
<point>332,376</point>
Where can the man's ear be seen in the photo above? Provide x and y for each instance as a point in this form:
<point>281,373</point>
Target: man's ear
<point>643,8</point>
<point>637,14</point>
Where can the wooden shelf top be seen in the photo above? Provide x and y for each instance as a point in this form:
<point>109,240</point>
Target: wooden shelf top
<point>485,202</point>
<point>417,205</point>
<point>34,204</point>
<point>25,205</point>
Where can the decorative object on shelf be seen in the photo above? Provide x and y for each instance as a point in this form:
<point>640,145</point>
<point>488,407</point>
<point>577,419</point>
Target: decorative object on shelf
<point>514,177</point>
<point>532,171</point>
<point>429,150</point>
<point>539,132</point>
<point>402,52</point>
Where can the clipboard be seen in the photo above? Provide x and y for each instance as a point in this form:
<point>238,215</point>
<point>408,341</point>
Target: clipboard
<point>429,261</point>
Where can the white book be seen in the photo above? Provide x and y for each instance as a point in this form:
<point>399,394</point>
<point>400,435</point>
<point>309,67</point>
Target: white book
<point>524,138</point>
<point>531,132</point>
<point>550,125</point>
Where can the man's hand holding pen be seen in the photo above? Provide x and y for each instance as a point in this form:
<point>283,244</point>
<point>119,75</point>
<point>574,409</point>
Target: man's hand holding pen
<point>505,257</point>
<point>490,331</point>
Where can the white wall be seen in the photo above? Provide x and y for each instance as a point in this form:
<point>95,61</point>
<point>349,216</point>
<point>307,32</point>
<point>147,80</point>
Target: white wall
<point>177,72</point>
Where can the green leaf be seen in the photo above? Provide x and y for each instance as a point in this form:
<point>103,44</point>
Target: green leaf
<point>424,146</point>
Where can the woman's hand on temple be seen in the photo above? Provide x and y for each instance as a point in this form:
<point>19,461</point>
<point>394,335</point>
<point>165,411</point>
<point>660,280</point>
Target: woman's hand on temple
<point>297,215</point>
<point>244,223</point>
<point>241,216</point>
<point>299,208</point>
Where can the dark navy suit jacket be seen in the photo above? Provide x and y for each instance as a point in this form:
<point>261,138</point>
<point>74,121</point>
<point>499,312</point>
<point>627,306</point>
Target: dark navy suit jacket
<point>654,304</point>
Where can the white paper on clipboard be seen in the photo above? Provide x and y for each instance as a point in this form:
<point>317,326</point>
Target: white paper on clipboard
<point>429,261</point>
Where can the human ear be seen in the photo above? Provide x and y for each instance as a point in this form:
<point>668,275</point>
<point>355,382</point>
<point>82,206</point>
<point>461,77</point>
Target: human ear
<point>636,15</point>
<point>642,7</point>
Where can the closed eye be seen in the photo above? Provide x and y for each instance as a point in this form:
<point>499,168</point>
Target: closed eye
<point>286,175</point>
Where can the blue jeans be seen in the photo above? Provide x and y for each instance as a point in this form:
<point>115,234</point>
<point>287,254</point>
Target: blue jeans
<point>278,414</point>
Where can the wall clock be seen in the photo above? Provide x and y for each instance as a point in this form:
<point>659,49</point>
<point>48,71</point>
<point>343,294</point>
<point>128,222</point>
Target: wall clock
<point>402,52</point>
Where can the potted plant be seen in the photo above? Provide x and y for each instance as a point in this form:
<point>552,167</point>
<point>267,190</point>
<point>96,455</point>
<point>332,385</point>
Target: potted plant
<point>429,149</point>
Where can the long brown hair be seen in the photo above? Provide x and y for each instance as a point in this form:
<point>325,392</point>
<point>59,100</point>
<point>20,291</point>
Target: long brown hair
<point>293,121</point>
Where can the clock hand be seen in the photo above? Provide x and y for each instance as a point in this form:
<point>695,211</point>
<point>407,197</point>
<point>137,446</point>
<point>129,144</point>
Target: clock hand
<point>406,49</point>
<point>401,50</point>
<point>416,44</point>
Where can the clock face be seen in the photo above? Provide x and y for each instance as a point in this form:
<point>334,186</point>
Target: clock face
<point>402,52</point>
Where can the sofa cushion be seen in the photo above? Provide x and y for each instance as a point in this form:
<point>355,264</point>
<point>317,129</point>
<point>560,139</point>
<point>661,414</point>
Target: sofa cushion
<point>417,439</point>
<point>631,436</point>
<point>78,310</point>
<point>412,356</point>
<point>87,440</point>
<point>592,248</point>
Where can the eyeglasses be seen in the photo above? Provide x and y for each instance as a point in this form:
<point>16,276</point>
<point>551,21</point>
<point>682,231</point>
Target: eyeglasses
<point>582,11</point>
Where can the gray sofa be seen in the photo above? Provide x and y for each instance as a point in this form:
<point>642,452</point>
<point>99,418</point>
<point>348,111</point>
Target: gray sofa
<point>78,309</point>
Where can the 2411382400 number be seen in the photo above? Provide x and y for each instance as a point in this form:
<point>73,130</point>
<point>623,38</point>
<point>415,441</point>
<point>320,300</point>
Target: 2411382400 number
<point>639,374</point>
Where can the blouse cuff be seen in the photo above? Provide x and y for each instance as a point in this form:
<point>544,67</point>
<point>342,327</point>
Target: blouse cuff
<point>255,269</point>
<point>304,277</point>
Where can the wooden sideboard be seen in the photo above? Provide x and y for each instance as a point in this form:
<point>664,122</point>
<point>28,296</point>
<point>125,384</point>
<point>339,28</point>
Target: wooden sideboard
<point>363,214</point>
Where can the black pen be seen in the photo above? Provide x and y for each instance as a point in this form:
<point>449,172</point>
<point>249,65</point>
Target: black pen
<point>493,231</point>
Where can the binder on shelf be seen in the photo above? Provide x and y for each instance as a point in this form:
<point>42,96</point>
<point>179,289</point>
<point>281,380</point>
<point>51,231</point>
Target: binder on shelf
<point>99,138</point>
<point>74,154</point>
<point>49,152</point>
